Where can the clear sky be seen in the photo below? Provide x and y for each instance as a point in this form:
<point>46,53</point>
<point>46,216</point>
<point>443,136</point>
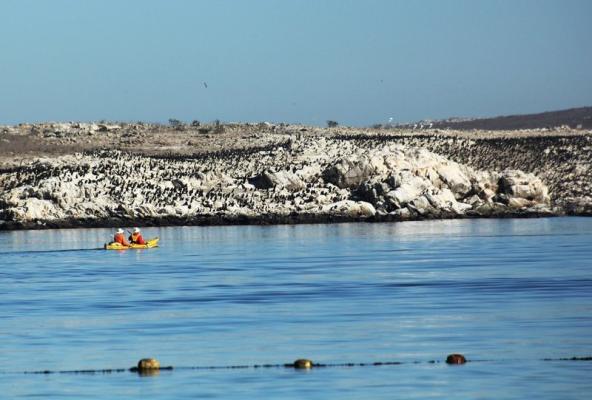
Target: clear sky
<point>355,62</point>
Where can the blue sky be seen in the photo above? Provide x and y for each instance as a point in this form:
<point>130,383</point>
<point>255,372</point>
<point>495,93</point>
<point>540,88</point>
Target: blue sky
<point>308,61</point>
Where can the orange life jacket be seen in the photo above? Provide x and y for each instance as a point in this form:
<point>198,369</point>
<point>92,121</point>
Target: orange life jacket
<point>137,238</point>
<point>119,238</point>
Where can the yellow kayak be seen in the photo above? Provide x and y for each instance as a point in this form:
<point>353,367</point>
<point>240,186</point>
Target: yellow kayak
<point>118,246</point>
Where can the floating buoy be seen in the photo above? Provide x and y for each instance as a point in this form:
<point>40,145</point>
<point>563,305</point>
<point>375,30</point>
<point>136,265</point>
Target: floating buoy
<point>303,363</point>
<point>148,364</point>
<point>455,359</point>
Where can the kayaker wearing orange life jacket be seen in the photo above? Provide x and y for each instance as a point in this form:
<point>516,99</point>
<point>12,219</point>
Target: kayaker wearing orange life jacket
<point>120,238</point>
<point>136,237</point>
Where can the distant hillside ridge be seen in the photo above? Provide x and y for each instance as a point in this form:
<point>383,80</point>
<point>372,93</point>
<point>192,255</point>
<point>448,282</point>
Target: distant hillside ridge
<point>576,118</point>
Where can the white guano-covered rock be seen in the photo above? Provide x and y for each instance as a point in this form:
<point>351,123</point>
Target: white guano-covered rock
<point>312,176</point>
<point>350,208</point>
<point>454,177</point>
<point>411,188</point>
<point>516,183</point>
<point>33,209</point>
<point>280,179</point>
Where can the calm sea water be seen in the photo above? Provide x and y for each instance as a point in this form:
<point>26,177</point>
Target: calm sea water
<point>506,293</point>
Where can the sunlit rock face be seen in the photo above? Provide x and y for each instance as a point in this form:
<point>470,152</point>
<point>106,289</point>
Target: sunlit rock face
<point>312,179</point>
<point>561,158</point>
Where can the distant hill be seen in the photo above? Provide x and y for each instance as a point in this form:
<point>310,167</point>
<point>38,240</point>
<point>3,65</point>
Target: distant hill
<point>573,117</point>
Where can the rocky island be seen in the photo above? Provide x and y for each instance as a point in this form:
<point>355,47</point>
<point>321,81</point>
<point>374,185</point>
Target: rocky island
<point>55,175</point>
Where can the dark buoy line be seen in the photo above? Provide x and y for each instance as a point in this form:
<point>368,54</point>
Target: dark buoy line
<point>587,358</point>
<point>78,371</point>
<point>151,366</point>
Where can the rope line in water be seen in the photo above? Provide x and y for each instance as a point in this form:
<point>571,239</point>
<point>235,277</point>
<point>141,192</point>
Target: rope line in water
<point>291,365</point>
<point>81,371</point>
<point>586,358</point>
<point>298,364</point>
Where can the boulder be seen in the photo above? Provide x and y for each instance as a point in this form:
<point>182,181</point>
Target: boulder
<point>350,208</point>
<point>474,201</point>
<point>421,205</point>
<point>349,173</point>
<point>281,179</point>
<point>373,190</point>
<point>516,183</point>
<point>520,202</point>
<point>409,190</point>
<point>441,199</point>
<point>401,213</point>
<point>452,175</point>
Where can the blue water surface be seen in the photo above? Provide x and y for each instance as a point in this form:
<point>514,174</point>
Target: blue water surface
<point>506,293</point>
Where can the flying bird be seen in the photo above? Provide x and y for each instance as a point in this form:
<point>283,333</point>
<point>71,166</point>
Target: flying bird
<point>205,85</point>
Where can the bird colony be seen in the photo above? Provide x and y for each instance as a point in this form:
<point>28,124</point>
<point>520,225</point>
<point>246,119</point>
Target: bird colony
<point>305,179</point>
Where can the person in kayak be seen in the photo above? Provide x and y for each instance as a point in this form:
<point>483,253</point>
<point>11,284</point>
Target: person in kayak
<point>120,238</point>
<point>136,237</point>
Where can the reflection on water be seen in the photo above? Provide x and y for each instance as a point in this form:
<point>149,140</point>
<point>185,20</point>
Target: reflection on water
<point>509,291</point>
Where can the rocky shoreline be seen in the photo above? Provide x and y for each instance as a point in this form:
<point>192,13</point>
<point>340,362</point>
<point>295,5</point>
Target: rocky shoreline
<point>286,174</point>
<point>222,220</point>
